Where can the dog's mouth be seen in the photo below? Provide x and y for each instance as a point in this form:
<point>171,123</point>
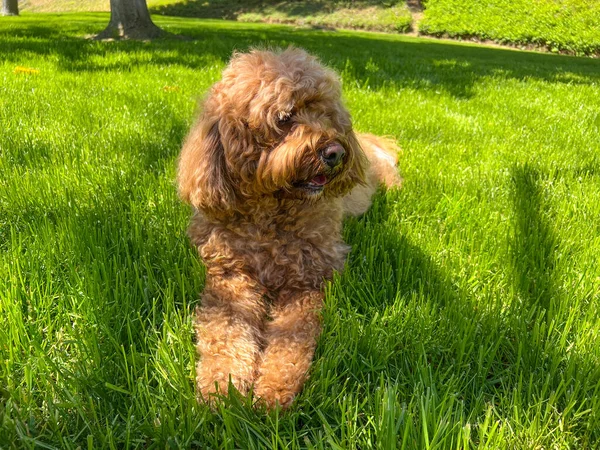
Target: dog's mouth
<point>314,185</point>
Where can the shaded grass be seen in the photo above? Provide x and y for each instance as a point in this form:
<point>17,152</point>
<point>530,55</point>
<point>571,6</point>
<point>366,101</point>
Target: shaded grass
<point>565,26</point>
<point>372,16</point>
<point>468,312</point>
<point>375,15</point>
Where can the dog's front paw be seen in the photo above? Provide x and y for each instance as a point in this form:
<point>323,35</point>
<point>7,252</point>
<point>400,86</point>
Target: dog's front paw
<point>213,381</point>
<point>273,395</point>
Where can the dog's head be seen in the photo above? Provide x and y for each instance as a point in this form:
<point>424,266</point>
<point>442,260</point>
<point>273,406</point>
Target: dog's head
<point>273,127</point>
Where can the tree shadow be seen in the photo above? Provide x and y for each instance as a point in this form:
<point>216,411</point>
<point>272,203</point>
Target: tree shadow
<point>534,244</point>
<point>376,61</point>
<point>232,9</point>
<point>116,268</point>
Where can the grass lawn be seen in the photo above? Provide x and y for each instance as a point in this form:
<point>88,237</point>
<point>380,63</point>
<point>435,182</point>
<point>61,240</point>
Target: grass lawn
<point>468,314</point>
<point>565,26</point>
<point>558,25</point>
<point>378,15</point>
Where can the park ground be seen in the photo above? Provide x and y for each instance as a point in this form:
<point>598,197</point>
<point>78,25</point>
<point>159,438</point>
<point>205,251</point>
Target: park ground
<point>468,313</point>
<point>558,26</point>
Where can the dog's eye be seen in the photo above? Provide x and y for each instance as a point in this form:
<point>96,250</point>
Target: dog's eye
<point>284,118</point>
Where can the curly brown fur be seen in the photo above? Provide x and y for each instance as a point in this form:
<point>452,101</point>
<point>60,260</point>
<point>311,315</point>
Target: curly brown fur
<point>268,207</point>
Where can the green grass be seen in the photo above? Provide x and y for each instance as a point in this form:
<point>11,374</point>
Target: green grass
<point>59,6</point>
<point>374,15</point>
<point>559,25</point>
<point>468,314</point>
<point>371,16</point>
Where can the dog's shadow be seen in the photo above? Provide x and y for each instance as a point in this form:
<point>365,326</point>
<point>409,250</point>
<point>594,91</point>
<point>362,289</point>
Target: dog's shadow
<point>397,317</point>
<point>384,273</point>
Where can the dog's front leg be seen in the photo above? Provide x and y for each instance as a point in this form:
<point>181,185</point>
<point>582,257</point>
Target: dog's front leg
<point>291,338</point>
<point>228,329</point>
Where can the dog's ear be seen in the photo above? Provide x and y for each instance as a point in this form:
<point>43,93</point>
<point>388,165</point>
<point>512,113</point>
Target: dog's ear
<point>203,179</point>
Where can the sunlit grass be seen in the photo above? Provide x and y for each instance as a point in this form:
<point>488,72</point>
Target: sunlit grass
<point>563,25</point>
<point>467,316</point>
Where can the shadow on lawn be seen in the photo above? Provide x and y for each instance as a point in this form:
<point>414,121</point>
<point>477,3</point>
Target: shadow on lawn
<point>232,9</point>
<point>374,60</point>
<point>505,348</point>
<point>403,271</point>
<point>110,250</point>
<point>535,243</point>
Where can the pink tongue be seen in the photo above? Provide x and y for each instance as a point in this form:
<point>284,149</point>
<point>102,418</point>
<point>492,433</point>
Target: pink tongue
<point>319,180</point>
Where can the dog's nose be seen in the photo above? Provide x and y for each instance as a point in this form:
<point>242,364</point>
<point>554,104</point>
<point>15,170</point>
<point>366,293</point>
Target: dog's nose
<point>332,154</point>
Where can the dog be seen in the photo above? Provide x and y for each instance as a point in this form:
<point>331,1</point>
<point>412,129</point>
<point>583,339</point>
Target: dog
<point>271,166</point>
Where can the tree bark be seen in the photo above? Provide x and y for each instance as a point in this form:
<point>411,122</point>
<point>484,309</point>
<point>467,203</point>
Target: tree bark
<point>10,7</point>
<point>130,19</point>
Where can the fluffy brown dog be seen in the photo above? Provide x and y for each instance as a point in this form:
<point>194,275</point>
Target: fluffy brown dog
<point>271,166</point>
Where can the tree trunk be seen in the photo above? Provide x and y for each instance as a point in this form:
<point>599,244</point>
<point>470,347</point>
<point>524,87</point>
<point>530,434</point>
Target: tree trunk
<point>10,7</point>
<point>130,19</point>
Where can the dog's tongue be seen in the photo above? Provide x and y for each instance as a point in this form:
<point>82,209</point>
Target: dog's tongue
<point>319,180</point>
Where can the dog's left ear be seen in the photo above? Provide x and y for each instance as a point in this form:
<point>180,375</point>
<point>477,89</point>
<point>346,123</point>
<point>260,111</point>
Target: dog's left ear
<point>203,179</point>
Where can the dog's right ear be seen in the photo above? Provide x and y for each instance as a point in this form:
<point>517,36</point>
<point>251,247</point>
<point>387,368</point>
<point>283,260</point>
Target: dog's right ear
<point>203,178</point>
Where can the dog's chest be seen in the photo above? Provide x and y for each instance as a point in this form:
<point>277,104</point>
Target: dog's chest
<point>295,249</point>
<point>295,262</point>
<point>276,258</point>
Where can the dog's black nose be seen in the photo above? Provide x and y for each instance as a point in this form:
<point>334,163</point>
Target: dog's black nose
<point>332,154</point>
